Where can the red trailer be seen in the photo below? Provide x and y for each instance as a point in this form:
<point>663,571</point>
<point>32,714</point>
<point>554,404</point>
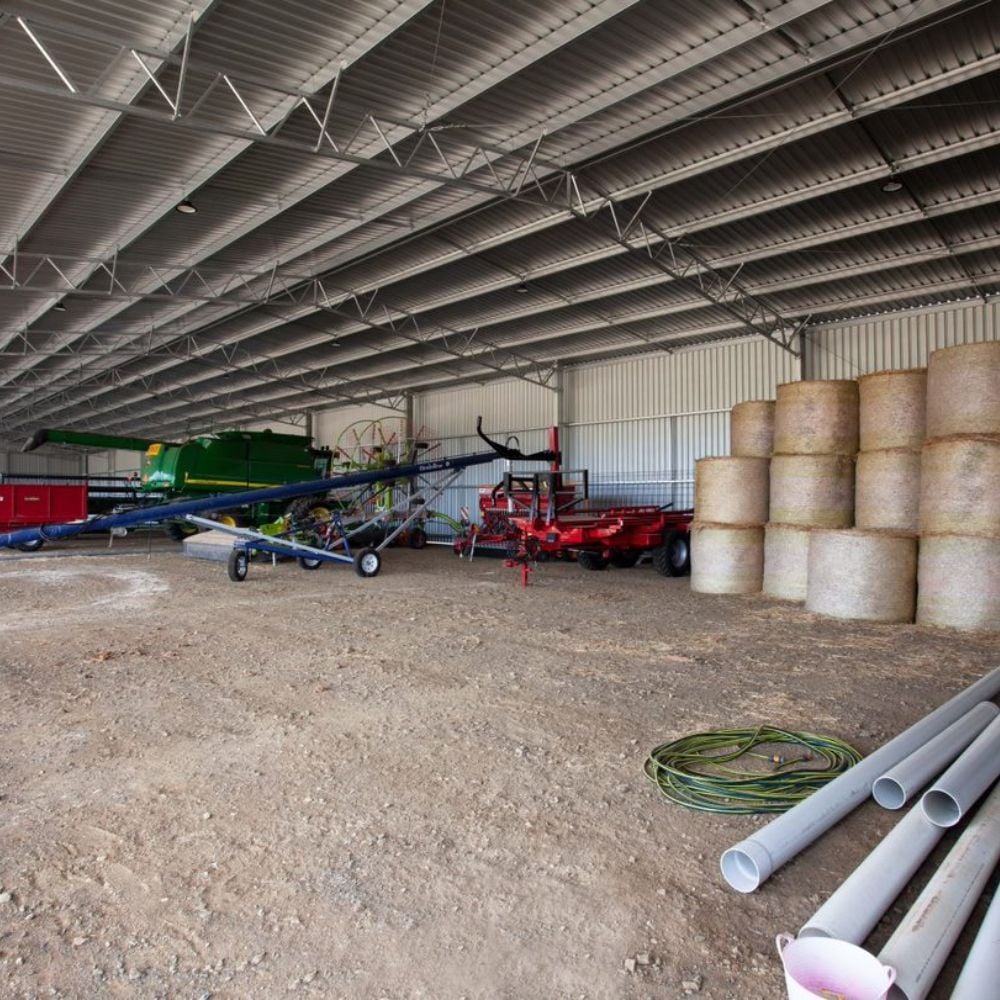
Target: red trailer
<point>30,505</point>
<point>546,514</point>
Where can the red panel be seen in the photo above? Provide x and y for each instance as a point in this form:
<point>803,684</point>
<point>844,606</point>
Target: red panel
<point>27,505</point>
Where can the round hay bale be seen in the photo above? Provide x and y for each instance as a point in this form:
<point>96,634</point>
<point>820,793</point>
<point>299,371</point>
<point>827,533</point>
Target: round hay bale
<point>731,490</point>
<point>867,575</point>
<point>887,489</point>
<point>960,486</point>
<point>751,429</point>
<point>786,561</point>
<point>726,559</point>
<point>963,390</point>
<point>816,491</point>
<point>893,409</point>
<point>817,418</point>
<point>959,582</point>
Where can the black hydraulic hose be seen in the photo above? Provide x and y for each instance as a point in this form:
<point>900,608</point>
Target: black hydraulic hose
<point>515,454</point>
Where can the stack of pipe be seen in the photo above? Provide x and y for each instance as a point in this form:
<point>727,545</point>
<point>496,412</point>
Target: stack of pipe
<point>731,504</point>
<point>967,728</point>
<point>812,477</point>
<point>959,569</point>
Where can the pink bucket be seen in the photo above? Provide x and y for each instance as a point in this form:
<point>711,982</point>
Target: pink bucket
<point>819,968</point>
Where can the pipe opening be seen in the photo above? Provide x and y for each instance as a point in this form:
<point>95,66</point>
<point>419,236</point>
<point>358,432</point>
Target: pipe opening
<point>941,807</point>
<point>740,870</point>
<point>889,793</point>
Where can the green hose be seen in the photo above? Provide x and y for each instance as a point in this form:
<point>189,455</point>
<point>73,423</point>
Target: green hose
<point>694,771</point>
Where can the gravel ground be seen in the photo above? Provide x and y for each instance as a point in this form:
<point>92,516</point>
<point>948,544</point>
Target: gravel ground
<point>427,784</point>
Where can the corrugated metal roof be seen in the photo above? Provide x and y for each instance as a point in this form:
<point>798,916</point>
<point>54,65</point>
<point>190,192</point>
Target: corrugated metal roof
<point>764,145</point>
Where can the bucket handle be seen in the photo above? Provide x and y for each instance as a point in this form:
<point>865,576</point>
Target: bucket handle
<point>890,974</point>
<point>782,941</point>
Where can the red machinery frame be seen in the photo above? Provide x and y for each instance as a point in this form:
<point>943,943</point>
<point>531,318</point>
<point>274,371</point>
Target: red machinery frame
<point>30,505</point>
<point>546,514</point>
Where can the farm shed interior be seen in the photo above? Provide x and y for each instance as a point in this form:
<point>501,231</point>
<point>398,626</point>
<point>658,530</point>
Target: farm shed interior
<point>349,230</point>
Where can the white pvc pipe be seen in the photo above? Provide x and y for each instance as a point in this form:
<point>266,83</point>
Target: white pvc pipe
<point>856,907</point>
<point>754,860</point>
<point>957,790</point>
<point>895,788</point>
<point>981,973</point>
<point>922,942</point>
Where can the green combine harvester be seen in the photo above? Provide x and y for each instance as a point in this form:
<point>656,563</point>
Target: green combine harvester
<point>212,464</point>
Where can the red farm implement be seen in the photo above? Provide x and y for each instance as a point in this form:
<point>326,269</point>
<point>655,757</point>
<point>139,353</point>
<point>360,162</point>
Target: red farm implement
<point>548,514</point>
<point>31,504</point>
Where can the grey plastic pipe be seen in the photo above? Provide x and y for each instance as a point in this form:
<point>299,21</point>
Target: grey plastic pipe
<point>981,973</point>
<point>924,939</point>
<point>856,907</point>
<point>957,790</point>
<point>898,785</point>
<point>751,862</point>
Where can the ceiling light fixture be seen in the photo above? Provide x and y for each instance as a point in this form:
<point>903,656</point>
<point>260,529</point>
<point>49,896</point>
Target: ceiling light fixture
<point>60,307</point>
<point>186,207</point>
<point>522,288</point>
<point>891,186</point>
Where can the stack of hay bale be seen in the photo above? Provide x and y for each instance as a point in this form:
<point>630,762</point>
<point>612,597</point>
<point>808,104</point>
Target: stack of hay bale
<point>812,477</point>
<point>959,570</point>
<point>731,506</point>
<point>870,572</point>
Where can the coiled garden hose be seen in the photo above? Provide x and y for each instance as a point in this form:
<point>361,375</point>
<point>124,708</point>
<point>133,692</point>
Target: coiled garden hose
<point>695,771</point>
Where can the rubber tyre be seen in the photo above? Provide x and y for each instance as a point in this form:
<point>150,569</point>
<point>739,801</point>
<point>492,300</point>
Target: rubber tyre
<point>30,546</point>
<point>367,563</point>
<point>175,532</point>
<point>310,562</point>
<point>673,557</point>
<point>591,560</point>
<point>623,559</point>
<point>416,538</point>
<point>238,565</point>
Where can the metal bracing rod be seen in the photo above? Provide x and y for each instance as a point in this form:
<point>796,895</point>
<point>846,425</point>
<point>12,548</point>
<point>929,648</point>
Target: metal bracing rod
<point>788,9</point>
<point>216,287</point>
<point>236,361</point>
<point>570,29</point>
<point>458,161</point>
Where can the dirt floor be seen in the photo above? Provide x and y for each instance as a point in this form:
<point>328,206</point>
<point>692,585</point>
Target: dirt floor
<point>427,784</point>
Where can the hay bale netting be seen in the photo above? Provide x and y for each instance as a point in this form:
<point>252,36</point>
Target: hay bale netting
<point>892,410</point>
<point>731,490</point>
<point>867,575</point>
<point>726,558</point>
<point>887,489</point>
<point>786,561</point>
<point>959,582</point>
<point>817,418</point>
<point>816,491</point>
<point>751,429</point>
<point>963,390</point>
<point>960,486</point>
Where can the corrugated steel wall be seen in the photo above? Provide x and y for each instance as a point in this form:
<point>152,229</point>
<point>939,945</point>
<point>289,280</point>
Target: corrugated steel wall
<point>47,463</point>
<point>901,340</point>
<point>640,424</point>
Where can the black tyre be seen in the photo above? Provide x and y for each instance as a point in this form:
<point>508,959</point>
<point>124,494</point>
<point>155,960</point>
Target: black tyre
<point>238,565</point>
<point>623,559</point>
<point>175,531</point>
<point>32,546</point>
<point>367,562</point>
<point>673,557</point>
<point>310,562</point>
<point>591,560</point>
<point>416,538</point>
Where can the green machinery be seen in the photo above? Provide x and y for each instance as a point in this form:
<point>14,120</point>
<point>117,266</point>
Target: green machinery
<point>210,464</point>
